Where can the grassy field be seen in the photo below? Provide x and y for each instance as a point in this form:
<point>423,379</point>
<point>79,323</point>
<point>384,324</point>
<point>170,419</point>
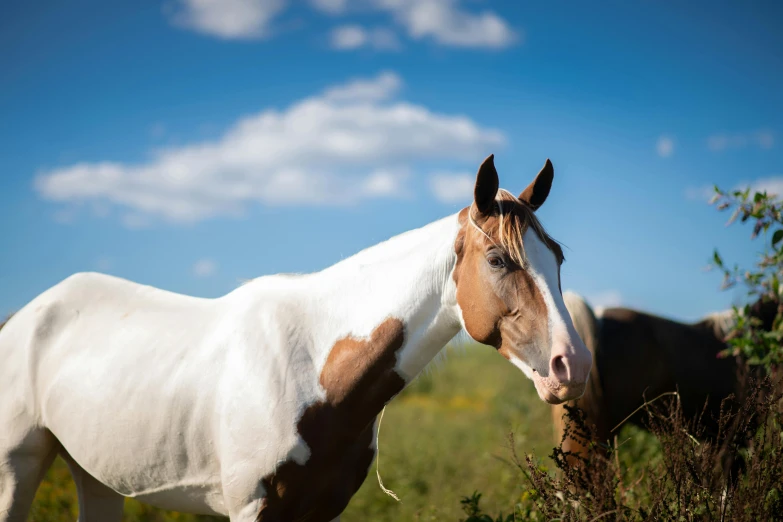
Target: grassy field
<point>442,438</point>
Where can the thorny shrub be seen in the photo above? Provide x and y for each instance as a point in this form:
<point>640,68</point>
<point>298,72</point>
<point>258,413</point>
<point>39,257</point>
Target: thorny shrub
<point>691,481</point>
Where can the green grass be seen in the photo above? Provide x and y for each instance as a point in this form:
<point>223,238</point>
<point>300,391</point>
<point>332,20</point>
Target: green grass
<point>442,438</point>
<point>447,435</point>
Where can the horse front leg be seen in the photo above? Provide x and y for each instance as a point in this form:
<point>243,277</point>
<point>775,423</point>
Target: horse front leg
<point>243,493</point>
<point>23,465</point>
<point>97,503</point>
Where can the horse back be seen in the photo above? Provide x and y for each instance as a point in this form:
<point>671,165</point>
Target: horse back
<point>109,366</point>
<point>643,356</point>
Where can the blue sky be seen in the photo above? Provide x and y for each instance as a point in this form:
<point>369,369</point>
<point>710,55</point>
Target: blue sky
<point>190,145</point>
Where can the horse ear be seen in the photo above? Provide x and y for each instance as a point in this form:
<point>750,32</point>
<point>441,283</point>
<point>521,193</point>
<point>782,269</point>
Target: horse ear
<point>486,185</point>
<point>535,194</point>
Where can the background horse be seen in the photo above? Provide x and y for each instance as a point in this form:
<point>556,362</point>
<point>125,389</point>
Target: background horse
<point>262,404</point>
<point>639,356</point>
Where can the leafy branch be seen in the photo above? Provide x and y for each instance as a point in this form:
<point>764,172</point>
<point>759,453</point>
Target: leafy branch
<point>765,211</point>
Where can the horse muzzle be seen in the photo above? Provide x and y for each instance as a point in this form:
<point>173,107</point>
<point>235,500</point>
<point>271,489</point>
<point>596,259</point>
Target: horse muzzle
<point>566,378</point>
<point>555,392</point>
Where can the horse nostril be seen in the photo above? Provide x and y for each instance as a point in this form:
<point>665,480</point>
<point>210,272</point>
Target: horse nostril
<point>559,368</point>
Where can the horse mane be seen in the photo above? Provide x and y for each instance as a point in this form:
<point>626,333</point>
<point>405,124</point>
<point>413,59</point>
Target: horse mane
<point>720,323</point>
<point>514,219</point>
<point>584,319</point>
<point>587,327</point>
<point>765,309</point>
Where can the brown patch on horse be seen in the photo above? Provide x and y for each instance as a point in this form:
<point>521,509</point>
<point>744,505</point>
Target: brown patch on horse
<point>502,310</point>
<point>359,378</point>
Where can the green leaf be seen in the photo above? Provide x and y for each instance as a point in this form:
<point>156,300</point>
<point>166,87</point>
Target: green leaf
<point>717,259</point>
<point>777,236</point>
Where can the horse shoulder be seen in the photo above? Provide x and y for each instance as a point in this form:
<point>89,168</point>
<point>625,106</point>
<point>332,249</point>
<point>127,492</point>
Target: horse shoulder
<point>269,372</point>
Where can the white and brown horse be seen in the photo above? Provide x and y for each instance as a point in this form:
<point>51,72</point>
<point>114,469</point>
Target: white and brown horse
<point>638,356</point>
<point>261,404</point>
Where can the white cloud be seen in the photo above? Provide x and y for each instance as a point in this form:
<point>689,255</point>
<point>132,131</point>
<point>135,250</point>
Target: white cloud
<point>703,193</point>
<point>448,24</point>
<point>664,146</point>
<point>350,37</point>
<point>382,87</point>
<point>445,22</point>
<point>229,19</point>
<point>330,6</point>
<point>204,268</point>
<point>773,185</point>
<point>349,143</point>
<point>763,139</point>
<point>452,188</point>
<point>385,183</point>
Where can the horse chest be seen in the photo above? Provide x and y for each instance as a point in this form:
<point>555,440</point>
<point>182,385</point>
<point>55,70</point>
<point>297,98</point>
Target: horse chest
<point>359,377</point>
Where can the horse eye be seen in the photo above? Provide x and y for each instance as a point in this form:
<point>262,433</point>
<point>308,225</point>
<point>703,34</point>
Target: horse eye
<point>495,262</point>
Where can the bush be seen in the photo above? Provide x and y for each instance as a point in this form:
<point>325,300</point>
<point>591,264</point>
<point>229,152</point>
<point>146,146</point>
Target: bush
<point>757,345</point>
<point>690,481</point>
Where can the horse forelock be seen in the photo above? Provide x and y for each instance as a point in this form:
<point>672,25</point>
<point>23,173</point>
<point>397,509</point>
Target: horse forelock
<point>514,218</point>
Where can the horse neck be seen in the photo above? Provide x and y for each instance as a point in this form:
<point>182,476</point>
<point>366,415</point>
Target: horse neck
<point>408,278</point>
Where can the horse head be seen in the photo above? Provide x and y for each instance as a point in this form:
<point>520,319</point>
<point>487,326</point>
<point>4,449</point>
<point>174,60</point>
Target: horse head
<point>508,286</point>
